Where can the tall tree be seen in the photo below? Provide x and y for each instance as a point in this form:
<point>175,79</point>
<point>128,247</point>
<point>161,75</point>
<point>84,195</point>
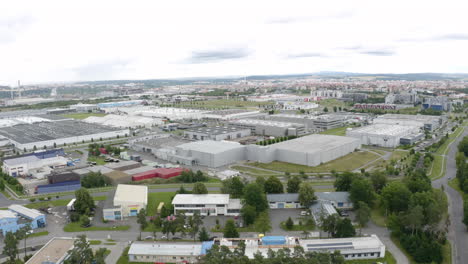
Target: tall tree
<point>414,218</point>
<point>203,235</point>
<point>345,228</point>
<point>262,223</point>
<point>22,233</point>
<point>465,213</point>
<point>255,196</point>
<point>306,194</point>
<point>199,188</point>
<point>84,202</point>
<point>141,219</point>
<point>233,186</point>
<point>249,213</point>
<point>230,230</point>
<point>293,184</point>
<point>362,191</point>
<point>396,196</point>
<point>363,214</point>
<point>10,249</point>
<point>379,180</point>
<point>81,253</point>
<point>273,185</point>
<point>343,181</point>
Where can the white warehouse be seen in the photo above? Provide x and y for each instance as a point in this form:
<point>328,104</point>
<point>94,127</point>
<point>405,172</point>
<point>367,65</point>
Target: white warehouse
<point>382,135</point>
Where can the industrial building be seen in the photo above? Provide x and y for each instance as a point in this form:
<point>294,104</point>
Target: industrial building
<point>230,114</point>
<point>128,201</point>
<point>216,133</point>
<point>58,133</point>
<point>169,113</point>
<point>37,164</point>
<point>402,98</point>
<point>206,204</point>
<point>18,216</point>
<point>306,120</point>
<point>439,103</point>
<point>121,104</point>
<point>382,135</point>
<point>84,108</point>
<point>56,251</point>
<point>309,150</point>
<point>329,121</point>
<point>426,122</point>
<point>283,200</point>
<point>124,121</point>
<point>353,248</point>
<point>270,128</point>
<point>293,105</point>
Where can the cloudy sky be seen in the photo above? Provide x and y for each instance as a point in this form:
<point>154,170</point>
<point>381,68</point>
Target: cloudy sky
<point>54,41</point>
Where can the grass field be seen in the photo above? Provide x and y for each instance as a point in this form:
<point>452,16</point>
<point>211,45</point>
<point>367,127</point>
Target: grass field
<point>98,160</point>
<point>75,227</point>
<point>251,170</point>
<point>95,242</point>
<point>61,202</point>
<point>378,217</point>
<point>349,162</point>
<point>339,131</point>
<point>155,198</point>
<point>38,234</point>
<point>83,115</point>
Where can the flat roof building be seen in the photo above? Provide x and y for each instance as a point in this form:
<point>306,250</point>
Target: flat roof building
<point>217,133</point>
<point>382,135</point>
<point>206,204</point>
<point>426,122</point>
<point>53,252</point>
<point>160,252</point>
<point>230,114</point>
<point>128,201</point>
<point>34,217</point>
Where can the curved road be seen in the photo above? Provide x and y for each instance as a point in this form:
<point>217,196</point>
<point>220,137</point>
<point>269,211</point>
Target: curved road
<point>458,234</point>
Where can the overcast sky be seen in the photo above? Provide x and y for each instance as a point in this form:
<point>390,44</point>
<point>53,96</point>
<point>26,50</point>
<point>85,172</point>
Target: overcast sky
<point>52,41</point>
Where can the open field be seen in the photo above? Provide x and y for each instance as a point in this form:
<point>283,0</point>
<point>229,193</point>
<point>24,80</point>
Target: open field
<point>155,198</point>
<point>83,115</point>
<point>339,131</point>
<point>61,202</point>
<point>349,162</point>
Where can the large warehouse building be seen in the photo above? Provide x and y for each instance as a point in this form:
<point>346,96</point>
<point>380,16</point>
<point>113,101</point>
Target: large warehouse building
<point>270,128</point>
<point>52,134</point>
<point>216,133</point>
<point>382,135</point>
<point>426,122</point>
<point>308,150</point>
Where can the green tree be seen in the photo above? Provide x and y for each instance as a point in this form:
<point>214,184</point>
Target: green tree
<point>293,184</point>
<point>379,180</point>
<point>262,223</point>
<point>343,181</point>
<point>233,186</point>
<point>345,228</point>
<point>273,185</point>
<point>203,235</point>
<point>306,194</point>
<point>325,109</point>
<point>414,218</point>
<point>465,213</point>
<point>84,202</point>
<point>289,224</point>
<point>363,214</point>
<point>230,230</point>
<point>10,249</point>
<point>249,213</point>
<point>255,196</point>
<point>362,191</point>
<point>395,197</point>
<point>199,188</point>
<point>84,221</point>
<point>141,219</point>
<point>81,252</point>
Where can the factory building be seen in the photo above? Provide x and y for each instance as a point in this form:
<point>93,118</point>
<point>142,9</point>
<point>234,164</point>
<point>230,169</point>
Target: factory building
<point>283,200</point>
<point>382,135</point>
<point>216,133</point>
<point>426,122</point>
<point>306,120</point>
<point>124,121</point>
<point>230,114</point>
<point>309,150</point>
<point>293,105</point>
<point>58,133</point>
<point>206,204</point>
<point>33,165</point>
<point>353,248</point>
<point>121,104</point>
<point>170,113</point>
<point>128,201</point>
<point>33,217</point>
<point>329,121</point>
<point>84,108</point>
<point>270,128</point>
<point>440,103</point>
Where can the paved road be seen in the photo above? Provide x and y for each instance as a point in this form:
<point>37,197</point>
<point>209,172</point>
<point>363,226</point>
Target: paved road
<point>384,234</point>
<point>458,234</point>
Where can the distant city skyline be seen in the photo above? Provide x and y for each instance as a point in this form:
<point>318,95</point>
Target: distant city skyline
<point>57,41</point>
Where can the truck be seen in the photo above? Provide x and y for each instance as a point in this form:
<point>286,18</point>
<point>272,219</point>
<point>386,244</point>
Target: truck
<point>70,205</point>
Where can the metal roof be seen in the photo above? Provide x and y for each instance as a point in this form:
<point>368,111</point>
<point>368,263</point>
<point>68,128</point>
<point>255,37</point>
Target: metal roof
<point>334,196</point>
<point>201,199</point>
<point>283,197</point>
<point>27,212</point>
<point>210,146</point>
<point>21,160</point>
<point>165,249</point>
<point>7,214</point>
<point>315,143</point>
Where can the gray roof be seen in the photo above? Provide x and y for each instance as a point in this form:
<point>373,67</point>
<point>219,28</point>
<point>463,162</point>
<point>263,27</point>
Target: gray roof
<point>315,143</point>
<point>21,160</point>
<point>217,130</point>
<point>283,197</point>
<point>333,196</point>
<point>165,249</point>
<point>211,146</point>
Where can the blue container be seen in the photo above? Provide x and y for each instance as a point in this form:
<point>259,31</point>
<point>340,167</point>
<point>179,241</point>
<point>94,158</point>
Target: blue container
<point>274,240</point>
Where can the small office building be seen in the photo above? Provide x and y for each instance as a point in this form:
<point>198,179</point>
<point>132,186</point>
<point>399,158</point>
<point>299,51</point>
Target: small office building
<point>206,204</point>
<point>128,201</point>
<point>283,200</point>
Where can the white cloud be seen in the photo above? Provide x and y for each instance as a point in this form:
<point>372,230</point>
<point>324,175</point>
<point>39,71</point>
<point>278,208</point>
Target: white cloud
<point>42,41</point>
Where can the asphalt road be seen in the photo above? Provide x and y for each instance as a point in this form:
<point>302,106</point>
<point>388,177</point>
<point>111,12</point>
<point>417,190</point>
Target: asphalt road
<point>458,234</point>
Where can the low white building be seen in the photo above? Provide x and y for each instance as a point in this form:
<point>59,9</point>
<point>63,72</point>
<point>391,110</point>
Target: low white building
<point>24,166</point>
<point>206,204</point>
<point>216,133</point>
<point>382,135</point>
<point>128,201</point>
<point>160,252</point>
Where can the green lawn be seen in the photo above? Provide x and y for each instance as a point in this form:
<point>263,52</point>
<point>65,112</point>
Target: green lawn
<point>98,160</point>
<point>155,198</point>
<point>454,184</point>
<point>75,227</point>
<point>349,162</point>
<point>60,202</point>
<point>438,167</point>
<point>447,253</point>
<point>95,242</point>
<point>83,115</point>
<point>339,131</point>
<point>378,217</point>
<point>251,170</point>
<point>38,234</point>
<point>298,227</point>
